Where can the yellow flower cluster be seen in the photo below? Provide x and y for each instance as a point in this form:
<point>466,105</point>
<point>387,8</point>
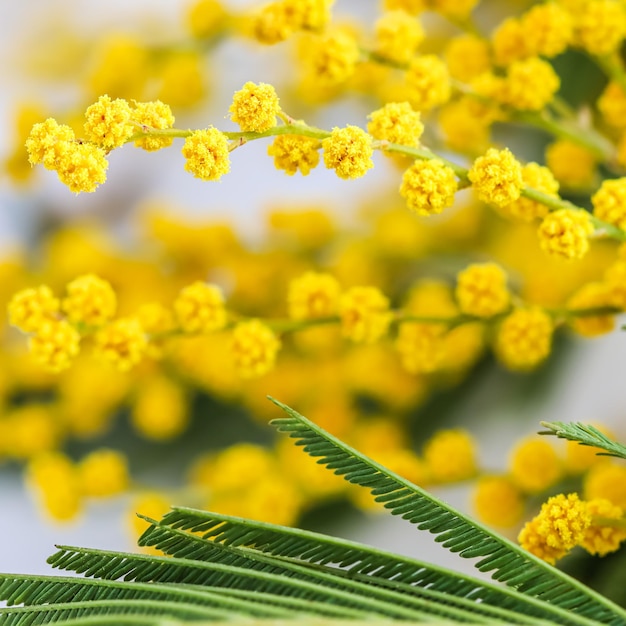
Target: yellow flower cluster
<point>428,187</point>
<point>348,151</point>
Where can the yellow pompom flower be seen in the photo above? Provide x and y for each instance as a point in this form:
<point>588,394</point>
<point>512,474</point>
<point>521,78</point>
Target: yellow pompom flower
<point>422,347</point>
<point>159,410</point>
<point>54,478</point>
<point>272,24</point>
<point>90,300</point>
<point>254,348</point>
<point>205,18</point>
<point>153,115</point>
<point>313,295</point>
<point>155,318</point>
<point>108,122</point>
<point>510,42</point>
<point>497,501</point>
<point>55,345</point>
<point>47,141</point>
<point>81,166</point>
<point>122,343</point>
<point>602,538</point>
<point>428,186</point>
<point>467,57</point>
<point>29,308</point>
<point>524,338</point>
<point>548,28</point>
<point>600,26</point>
<point>591,295</point>
<point>295,152</point>
<point>565,233</point>
<point>539,178</point>
<point>465,125</point>
<point>396,122</point>
<point>310,14</point>
<point>428,82</point>
<point>331,58</point>
<point>450,456</point>
<point>612,105</point>
<point>364,313</point>
<point>481,290</point>
<point>534,465</point>
<point>606,480</point>
<point>103,473</point>
<point>497,177</point>
<point>29,430</point>
<point>199,308</point>
<point>529,85</point>
<point>207,154</point>
<point>571,164</point>
<point>560,526</point>
<point>397,36</point>
<point>348,151</point>
<point>255,107</point>
<point>609,202</point>
<point>183,78</point>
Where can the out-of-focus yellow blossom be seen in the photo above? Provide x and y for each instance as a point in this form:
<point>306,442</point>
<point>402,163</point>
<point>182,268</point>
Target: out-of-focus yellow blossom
<point>331,58</point>
<point>453,9</point>
<point>159,409</point>
<point>55,481</point>
<point>199,308</point>
<point>497,501</point>
<point>55,345</point>
<point>364,313</point>
<point>205,18</point>
<point>481,290</point>
<point>17,164</point>
<point>294,152</point>
<point>122,343</point>
<point>450,455</point>
<point>467,57</point>
<point>497,177</point>
<point>510,42</point>
<point>589,296</point>
<point>572,165</point>
<point>534,465</point>
<point>183,79</point>
<point>155,318</point>
<point>151,504</point>
<point>529,85</point>
<point>305,228</point>
<point>397,36</point>
<point>560,525</point>
<point>548,29</point>
<point>600,26</point>
<point>121,68</point>
<point>348,151</point>
<point>565,233</point>
<point>465,124</point>
<point>463,346</point>
<point>206,153</point>
<point>29,430</point>
<point>399,235</point>
<point>108,123</point>
<point>90,300</point>
<point>103,473</point>
<point>310,14</point>
<point>153,115</point>
<point>428,186</point>
<point>410,6</point>
<point>254,348</point>
<point>603,538</point>
<point>609,202</point>
<point>29,308</point>
<point>612,105</point>
<point>541,179</point>
<point>396,122</point>
<point>272,23</point>
<point>313,295</point>
<point>606,480</point>
<point>255,107</point>
<point>615,280</point>
<point>579,459</point>
<point>524,338</point>
<point>428,82</point>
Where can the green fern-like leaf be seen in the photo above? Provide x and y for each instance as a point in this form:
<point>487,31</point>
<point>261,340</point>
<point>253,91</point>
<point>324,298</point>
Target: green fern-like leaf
<point>585,435</point>
<point>508,562</point>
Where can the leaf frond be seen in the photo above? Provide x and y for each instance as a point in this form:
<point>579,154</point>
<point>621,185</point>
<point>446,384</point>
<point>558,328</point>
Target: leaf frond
<point>585,435</point>
<point>506,561</point>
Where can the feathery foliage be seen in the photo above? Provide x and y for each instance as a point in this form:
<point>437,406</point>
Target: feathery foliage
<point>585,435</point>
<point>218,568</point>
